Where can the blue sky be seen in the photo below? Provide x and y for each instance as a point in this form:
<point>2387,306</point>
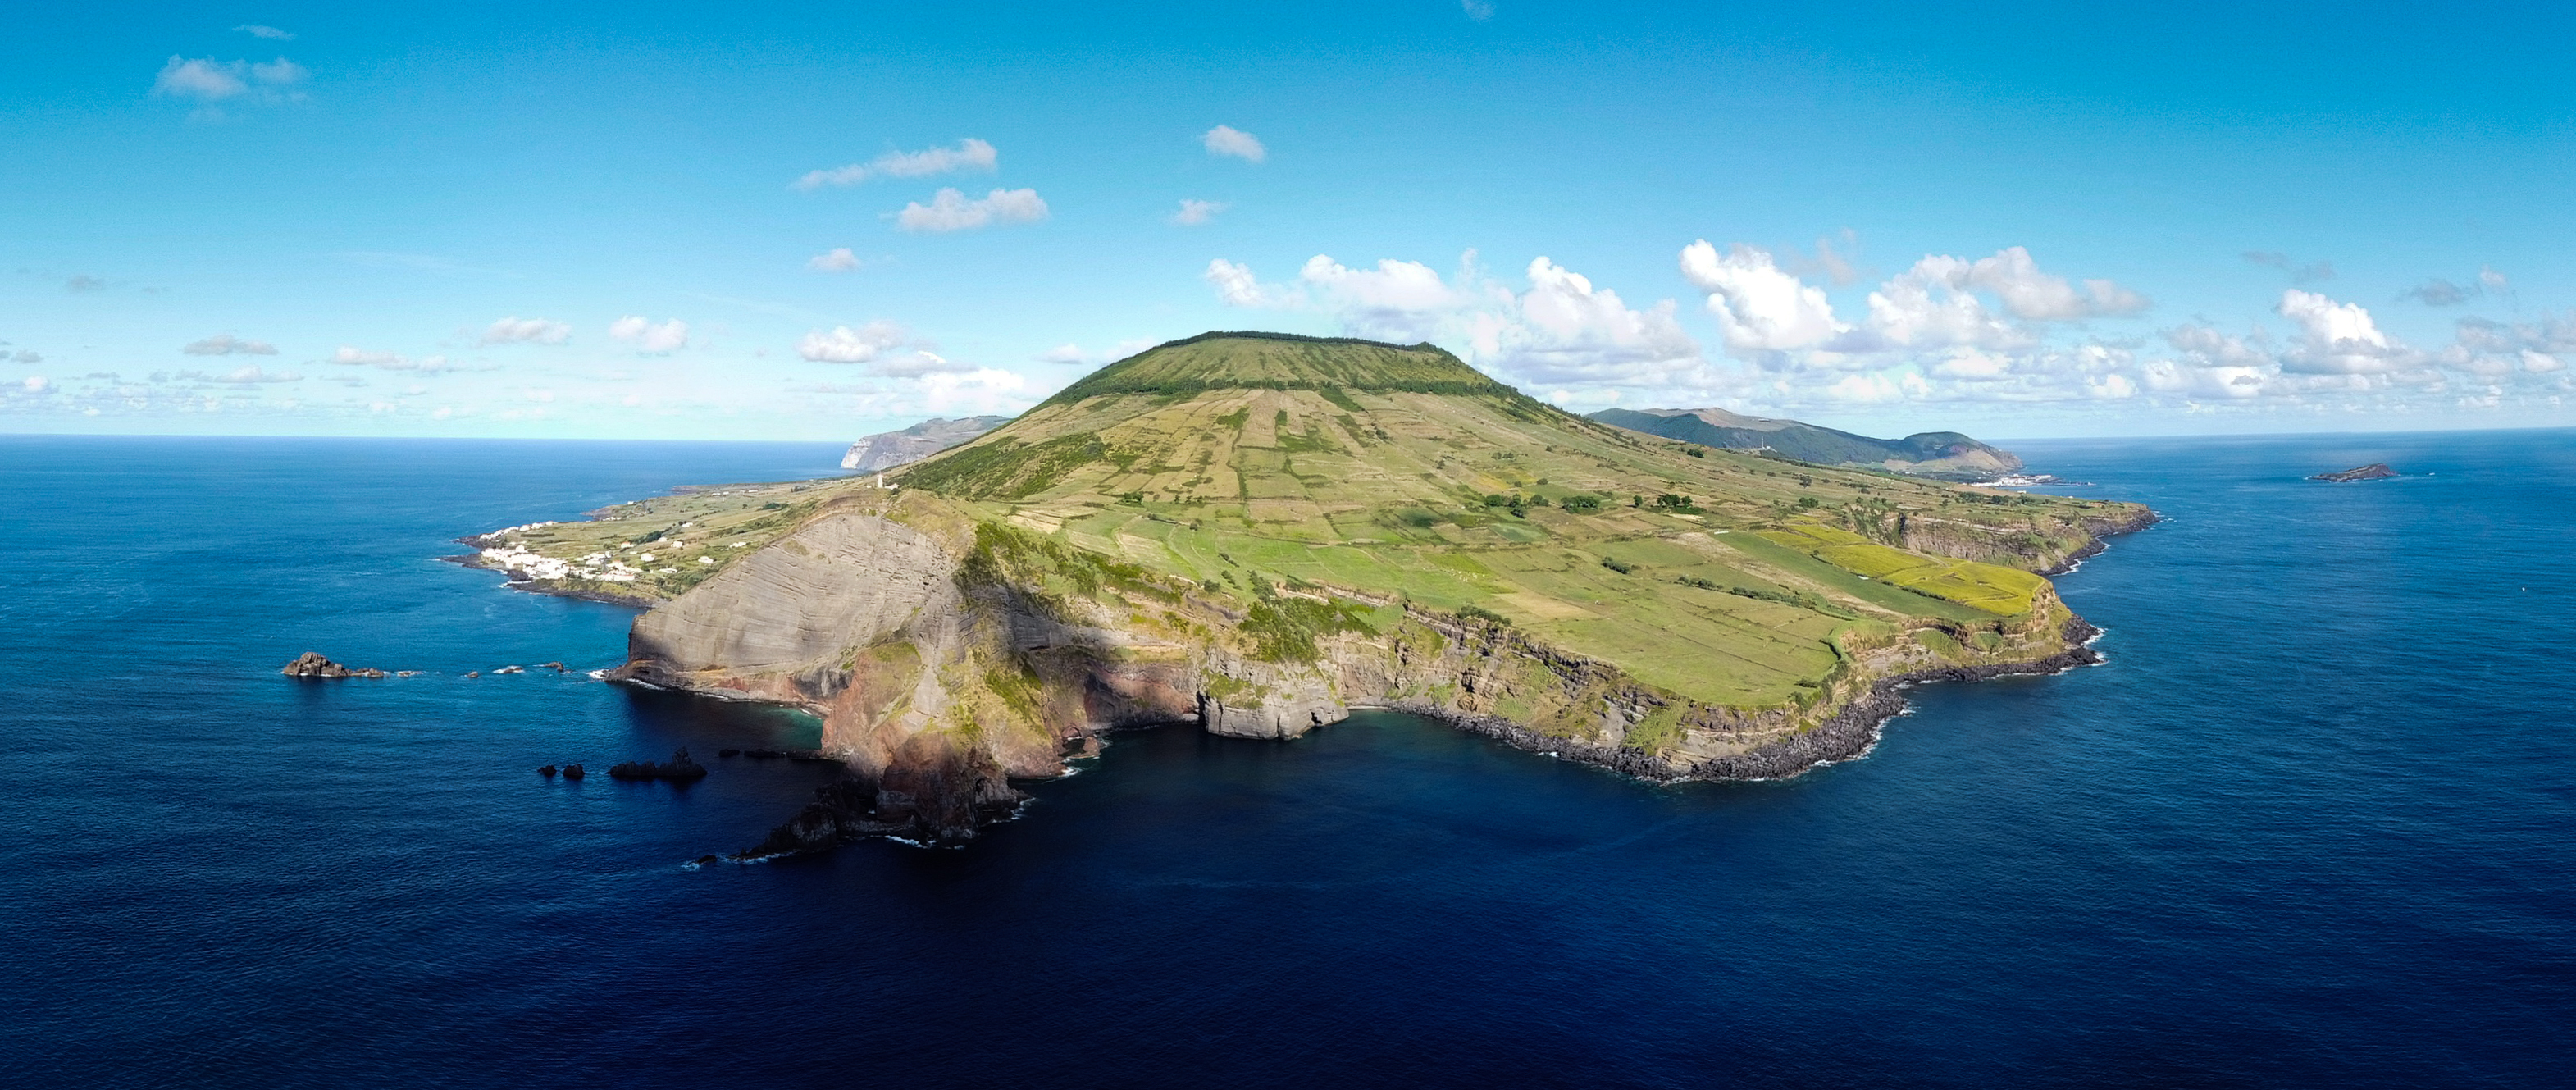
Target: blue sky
<point>2011,219</point>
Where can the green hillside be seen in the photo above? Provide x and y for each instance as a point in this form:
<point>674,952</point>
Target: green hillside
<point>1384,471</point>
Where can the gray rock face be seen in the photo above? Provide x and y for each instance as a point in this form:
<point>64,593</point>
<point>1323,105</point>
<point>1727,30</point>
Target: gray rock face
<point>890,449</point>
<point>843,582</point>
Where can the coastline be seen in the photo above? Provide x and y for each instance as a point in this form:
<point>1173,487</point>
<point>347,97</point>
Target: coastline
<point>1851,731</point>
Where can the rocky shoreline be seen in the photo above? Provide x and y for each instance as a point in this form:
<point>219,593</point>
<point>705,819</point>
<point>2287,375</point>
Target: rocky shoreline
<point>1847,734</point>
<point>2101,540</point>
<point>945,796</point>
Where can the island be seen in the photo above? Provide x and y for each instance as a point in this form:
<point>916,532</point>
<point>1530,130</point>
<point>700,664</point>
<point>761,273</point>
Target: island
<point>2372,472</point>
<point>1258,532</point>
<point>1941,455</point>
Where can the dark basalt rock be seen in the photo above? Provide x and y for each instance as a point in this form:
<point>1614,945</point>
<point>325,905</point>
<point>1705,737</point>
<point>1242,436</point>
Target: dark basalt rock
<point>572,772</point>
<point>312,664</point>
<point>728,753</point>
<point>547,771</point>
<point>679,769</point>
<point>941,803</point>
<point>2375,471</point>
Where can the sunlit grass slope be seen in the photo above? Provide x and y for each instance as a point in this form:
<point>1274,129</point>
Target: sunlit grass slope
<point>1387,471</point>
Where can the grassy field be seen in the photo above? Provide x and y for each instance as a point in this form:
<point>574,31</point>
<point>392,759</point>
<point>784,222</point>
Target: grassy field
<point>1384,473</point>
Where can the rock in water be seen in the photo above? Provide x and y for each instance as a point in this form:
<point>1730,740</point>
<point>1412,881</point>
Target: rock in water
<point>679,769</point>
<point>312,664</point>
<point>2372,472</point>
<point>547,771</point>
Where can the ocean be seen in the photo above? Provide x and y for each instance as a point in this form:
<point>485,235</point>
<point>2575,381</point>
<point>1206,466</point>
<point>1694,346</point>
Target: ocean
<point>2310,825</point>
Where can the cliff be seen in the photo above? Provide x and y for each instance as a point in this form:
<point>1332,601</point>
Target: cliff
<point>887,450</point>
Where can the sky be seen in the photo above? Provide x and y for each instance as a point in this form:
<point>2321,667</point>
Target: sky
<point>688,221</point>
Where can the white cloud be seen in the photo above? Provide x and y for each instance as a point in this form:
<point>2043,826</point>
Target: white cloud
<point>1196,213</point>
<point>1478,10</point>
<point>845,345</point>
<point>203,79</point>
<point>225,344</point>
<point>976,392</point>
<point>1759,308</point>
<point>919,363</point>
<point>36,384</point>
<point>1563,329</point>
<point>2111,387</point>
<point>838,260</point>
<point>269,32</point>
<point>517,330</point>
<point>243,376</point>
<point>969,154</point>
<point>2541,363</point>
<point>1237,287</point>
<point>950,210</point>
<point>386,361</point>
<point>1396,301</point>
<point>1878,387</point>
<point>669,336</point>
<point>1064,353</point>
<point>2339,338</point>
<point>1228,140</point>
<point>2492,280</point>
<point>2033,295</point>
<point>208,80</point>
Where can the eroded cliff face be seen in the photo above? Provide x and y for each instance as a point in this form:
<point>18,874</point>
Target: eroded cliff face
<point>947,659</point>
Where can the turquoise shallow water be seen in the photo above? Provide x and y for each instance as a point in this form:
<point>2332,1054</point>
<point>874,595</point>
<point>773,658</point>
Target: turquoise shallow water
<point>2309,826</point>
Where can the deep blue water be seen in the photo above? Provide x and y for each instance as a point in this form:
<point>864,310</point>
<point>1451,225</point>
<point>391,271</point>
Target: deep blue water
<point>2311,825</point>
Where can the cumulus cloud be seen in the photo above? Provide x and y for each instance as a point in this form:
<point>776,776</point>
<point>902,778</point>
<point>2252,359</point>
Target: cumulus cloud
<point>25,355</point>
<point>1396,300</point>
<point>1759,307</point>
<point>969,154</point>
<point>1196,213</point>
<point>951,210</point>
<point>269,32</point>
<point>36,384</point>
<point>838,260</point>
<point>84,283</point>
<point>207,80</point>
<point>646,336</point>
<point>1478,10</point>
<point>225,344</point>
<point>1236,286</point>
<point>1564,329</point>
<point>845,345</point>
<point>2338,338</point>
<point>517,330</point>
<point>1228,140</point>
